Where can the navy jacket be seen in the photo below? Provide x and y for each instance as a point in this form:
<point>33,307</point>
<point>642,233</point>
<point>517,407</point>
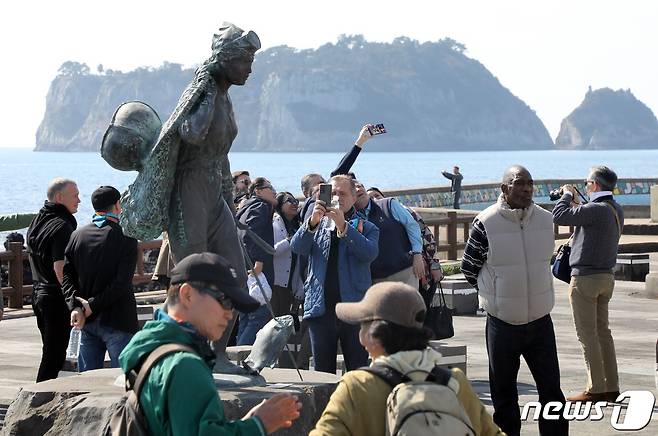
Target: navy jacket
<point>355,253</point>
<point>257,214</point>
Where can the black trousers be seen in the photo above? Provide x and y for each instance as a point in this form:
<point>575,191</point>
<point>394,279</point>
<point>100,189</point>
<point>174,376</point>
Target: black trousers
<point>54,322</point>
<point>535,341</point>
<point>325,332</point>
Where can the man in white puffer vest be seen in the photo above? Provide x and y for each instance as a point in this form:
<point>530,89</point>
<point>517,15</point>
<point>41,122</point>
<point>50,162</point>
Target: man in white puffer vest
<point>507,258</point>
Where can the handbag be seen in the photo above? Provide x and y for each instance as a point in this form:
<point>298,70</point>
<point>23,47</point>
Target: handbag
<point>439,318</point>
<point>561,269</point>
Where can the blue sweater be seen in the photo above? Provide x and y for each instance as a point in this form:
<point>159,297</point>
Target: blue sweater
<point>355,253</point>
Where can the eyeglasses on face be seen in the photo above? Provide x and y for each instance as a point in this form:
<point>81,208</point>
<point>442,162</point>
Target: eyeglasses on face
<point>292,201</point>
<point>222,299</point>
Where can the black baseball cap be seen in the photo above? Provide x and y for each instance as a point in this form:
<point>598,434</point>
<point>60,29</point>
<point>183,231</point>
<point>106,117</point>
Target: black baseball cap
<point>215,270</point>
<point>104,197</point>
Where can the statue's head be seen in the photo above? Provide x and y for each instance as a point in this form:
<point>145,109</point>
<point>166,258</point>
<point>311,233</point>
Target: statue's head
<point>233,53</point>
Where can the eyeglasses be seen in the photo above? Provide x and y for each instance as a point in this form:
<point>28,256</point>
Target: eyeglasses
<point>292,201</point>
<point>222,299</point>
<point>245,181</point>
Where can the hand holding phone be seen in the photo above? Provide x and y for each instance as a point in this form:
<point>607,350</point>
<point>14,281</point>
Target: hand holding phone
<point>324,194</point>
<point>376,129</point>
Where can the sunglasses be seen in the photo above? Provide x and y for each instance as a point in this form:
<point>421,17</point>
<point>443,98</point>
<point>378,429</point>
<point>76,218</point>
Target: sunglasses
<point>222,299</point>
<point>293,201</point>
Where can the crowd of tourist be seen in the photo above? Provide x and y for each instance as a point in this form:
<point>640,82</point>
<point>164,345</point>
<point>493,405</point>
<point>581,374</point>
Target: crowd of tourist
<point>361,270</point>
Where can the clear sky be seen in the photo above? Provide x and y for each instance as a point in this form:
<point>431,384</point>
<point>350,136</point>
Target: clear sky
<point>546,52</point>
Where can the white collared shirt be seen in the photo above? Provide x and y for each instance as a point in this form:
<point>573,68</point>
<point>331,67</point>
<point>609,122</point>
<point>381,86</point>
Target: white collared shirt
<point>598,194</point>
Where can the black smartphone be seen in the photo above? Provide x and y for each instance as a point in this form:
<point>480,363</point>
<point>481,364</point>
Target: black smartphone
<point>376,129</point>
<point>325,193</point>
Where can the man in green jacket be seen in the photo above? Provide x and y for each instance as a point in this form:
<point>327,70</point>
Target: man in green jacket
<point>15,221</point>
<point>179,396</point>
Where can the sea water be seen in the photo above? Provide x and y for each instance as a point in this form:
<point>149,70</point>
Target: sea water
<point>24,174</point>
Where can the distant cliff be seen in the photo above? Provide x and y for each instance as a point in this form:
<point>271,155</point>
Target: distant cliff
<point>430,96</point>
<point>608,119</point>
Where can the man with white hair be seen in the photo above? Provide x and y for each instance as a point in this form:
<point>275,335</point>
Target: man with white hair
<point>47,238</point>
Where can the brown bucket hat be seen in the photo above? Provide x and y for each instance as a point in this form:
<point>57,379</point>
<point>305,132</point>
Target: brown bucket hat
<point>395,302</point>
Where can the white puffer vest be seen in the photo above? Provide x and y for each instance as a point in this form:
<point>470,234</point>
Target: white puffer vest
<point>515,283</point>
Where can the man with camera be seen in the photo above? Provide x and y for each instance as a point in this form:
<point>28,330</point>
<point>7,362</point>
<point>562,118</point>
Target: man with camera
<point>340,246</point>
<point>598,226</point>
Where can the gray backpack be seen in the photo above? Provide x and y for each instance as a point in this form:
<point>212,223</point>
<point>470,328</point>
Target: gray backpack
<point>128,419</point>
<point>425,407</point>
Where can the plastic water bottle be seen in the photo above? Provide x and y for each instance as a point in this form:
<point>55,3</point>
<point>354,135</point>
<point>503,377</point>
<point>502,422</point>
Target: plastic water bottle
<point>73,349</point>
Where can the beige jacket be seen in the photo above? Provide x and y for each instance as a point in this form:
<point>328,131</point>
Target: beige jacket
<point>515,283</point>
<point>358,406</point>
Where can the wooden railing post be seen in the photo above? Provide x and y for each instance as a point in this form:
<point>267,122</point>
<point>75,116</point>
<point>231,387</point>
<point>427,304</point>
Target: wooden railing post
<point>452,235</point>
<point>16,275</point>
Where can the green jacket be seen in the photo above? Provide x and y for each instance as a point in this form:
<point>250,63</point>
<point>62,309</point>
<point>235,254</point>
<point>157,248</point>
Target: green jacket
<point>179,397</point>
<point>15,221</point>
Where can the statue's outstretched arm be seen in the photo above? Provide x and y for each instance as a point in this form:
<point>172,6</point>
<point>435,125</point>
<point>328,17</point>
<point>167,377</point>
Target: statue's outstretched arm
<point>195,125</point>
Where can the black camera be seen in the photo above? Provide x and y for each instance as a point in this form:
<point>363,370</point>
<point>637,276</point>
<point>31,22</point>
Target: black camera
<point>555,194</point>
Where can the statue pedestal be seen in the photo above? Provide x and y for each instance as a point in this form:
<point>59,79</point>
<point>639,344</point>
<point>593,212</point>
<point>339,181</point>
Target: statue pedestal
<point>83,403</point>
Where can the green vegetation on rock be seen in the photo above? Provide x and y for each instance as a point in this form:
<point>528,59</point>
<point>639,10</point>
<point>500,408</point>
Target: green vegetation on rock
<point>430,96</point>
<point>608,119</point>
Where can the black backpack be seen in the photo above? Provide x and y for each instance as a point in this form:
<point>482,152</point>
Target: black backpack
<point>128,419</point>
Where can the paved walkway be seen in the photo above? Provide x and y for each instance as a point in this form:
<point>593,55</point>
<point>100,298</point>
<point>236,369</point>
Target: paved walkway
<point>634,322</point>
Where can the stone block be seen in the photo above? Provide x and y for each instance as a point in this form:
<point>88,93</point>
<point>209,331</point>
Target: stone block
<point>83,404</point>
<point>632,267</point>
<point>654,203</point>
<point>460,296</point>
<point>453,355</point>
<point>238,353</point>
<point>651,285</point>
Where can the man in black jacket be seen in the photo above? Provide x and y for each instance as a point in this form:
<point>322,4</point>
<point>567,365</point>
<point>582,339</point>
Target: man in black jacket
<point>46,241</point>
<point>100,263</point>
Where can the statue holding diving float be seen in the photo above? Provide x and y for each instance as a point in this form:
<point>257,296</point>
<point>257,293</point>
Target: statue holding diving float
<point>184,184</point>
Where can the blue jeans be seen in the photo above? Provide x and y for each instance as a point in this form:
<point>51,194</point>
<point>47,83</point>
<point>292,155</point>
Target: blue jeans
<point>95,340</point>
<point>535,341</point>
<point>325,332</point>
<point>251,323</point>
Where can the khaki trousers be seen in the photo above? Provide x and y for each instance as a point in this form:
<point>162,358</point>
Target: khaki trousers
<point>589,297</point>
<point>405,276</point>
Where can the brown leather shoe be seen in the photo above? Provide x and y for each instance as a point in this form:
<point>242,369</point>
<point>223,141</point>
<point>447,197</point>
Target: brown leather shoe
<point>611,397</point>
<point>588,396</point>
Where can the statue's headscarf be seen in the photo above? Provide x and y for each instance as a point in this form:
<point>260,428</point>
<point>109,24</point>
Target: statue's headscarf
<point>232,42</point>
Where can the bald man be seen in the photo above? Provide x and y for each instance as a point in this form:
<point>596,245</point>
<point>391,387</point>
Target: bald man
<point>507,259</point>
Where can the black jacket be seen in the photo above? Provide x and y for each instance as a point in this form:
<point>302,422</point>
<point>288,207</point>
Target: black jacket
<point>46,241</point>
<point>99,267</point>
<point>257,214</point>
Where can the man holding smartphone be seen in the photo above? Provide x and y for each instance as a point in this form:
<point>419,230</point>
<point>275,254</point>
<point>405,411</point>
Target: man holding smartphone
<point>339,266</point>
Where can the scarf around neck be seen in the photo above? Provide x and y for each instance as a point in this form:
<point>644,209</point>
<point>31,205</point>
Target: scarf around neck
<point>101,220</point>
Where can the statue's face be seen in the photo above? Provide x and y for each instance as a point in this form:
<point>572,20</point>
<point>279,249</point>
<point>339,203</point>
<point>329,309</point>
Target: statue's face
<point>237,70</point>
